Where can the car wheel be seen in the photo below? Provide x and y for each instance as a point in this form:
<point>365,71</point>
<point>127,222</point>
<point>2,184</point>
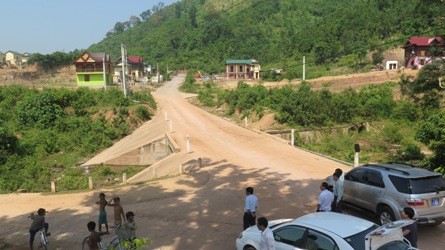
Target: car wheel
<point>249,248</point>
<point>385,215</point>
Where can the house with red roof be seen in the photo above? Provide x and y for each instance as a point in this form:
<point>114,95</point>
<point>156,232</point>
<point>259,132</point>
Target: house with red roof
<point>135,69</point>
<point>93,69</point>
<point>419,50</point>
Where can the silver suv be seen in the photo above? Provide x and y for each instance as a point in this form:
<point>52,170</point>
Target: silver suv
<point>386,188</point>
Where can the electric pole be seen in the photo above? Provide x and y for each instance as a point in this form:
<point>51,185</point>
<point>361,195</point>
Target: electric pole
<point>124,65</point>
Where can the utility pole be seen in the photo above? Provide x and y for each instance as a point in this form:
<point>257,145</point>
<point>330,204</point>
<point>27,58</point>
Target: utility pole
<point>304,68</point>
<point>124,65</point>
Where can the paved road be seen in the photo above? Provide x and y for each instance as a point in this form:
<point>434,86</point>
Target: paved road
<point>203,208</point>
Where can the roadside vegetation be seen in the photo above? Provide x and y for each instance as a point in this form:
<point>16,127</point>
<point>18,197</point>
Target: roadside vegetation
<point>407,129</point>
<point>46,135</point>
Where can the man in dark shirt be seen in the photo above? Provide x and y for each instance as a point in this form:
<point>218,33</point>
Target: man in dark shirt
<point>410,231</point>
<point>37,224</point>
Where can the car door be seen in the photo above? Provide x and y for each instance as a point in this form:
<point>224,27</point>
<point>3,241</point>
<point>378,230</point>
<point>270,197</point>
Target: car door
<point>372,190</point>
<point>288,237</point>
<point>353,186</point>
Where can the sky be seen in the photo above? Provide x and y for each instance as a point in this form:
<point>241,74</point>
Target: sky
<point>47,26</point>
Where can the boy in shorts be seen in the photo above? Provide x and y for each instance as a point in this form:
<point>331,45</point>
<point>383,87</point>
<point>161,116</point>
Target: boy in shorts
<point>102,213</point>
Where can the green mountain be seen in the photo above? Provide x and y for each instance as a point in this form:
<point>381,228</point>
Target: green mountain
<point>202,34</point>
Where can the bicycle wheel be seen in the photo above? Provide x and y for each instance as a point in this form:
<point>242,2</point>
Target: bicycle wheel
<point>115,244</point>
<point>85,243</point>
<point>43,240</point>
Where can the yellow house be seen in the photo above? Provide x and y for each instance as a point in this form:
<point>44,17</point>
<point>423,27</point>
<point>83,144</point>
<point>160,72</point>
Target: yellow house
<point>246,69</point>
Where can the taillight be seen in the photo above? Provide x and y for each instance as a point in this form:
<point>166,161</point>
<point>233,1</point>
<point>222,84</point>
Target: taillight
<point>414,202</point>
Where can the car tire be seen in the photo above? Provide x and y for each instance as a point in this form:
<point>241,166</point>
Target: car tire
<point>385,215</point>
<point>249,248</point>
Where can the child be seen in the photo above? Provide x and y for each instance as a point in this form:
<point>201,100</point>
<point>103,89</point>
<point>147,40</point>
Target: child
<point>128,229</point>
<point>118,210</point>
<point>37,224</point>
<point>410,231</point>
<point>93,242</point>
<point>102,213</point>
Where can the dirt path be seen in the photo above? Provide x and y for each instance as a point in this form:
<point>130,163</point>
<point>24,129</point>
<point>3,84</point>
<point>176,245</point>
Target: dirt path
<point>203,208</point>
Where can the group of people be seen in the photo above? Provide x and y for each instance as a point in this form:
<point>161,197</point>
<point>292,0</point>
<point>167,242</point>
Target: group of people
<point>125,230</point>
<point>249,219</point>
<point>331,196</point>
<point>330,199</point>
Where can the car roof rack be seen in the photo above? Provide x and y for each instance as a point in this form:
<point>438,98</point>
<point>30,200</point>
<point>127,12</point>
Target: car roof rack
<point>393,166</point>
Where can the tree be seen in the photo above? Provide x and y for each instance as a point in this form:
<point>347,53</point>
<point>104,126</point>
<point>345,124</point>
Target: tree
<point>432,133</point>
<point>119,28</point>
<point>157,7</point>
<point>145,15</point>
<point>377,57</point>
<point>425,89</point>
<point>134,20</point>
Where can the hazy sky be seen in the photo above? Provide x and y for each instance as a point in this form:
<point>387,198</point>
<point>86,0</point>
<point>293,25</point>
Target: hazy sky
<point>46,26</point>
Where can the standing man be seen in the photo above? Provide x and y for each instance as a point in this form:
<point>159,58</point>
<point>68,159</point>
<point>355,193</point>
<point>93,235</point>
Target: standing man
<point>325,199</point>
<point>250,206</point>
<point>410,231</point>
<point>338,192</point>
<point>267,241</point>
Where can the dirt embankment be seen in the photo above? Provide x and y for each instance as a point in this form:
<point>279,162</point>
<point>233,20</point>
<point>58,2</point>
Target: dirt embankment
<point>333,83</point>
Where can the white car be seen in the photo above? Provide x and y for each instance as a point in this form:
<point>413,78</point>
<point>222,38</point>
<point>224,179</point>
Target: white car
<point>328,231</point>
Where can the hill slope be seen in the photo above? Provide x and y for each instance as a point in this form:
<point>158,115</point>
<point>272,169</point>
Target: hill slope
<point>203,33</point>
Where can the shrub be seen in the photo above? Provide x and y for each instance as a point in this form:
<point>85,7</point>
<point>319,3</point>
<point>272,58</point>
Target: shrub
<point>40,110</point>
<point>142,113</point>
<point>410,152</point>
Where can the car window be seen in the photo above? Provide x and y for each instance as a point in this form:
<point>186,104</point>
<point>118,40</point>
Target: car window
<point>395,245</point>
<point>427,184</point>
<point>316,240</point>
<point>418,185</point>
<point>291,235</point>
<point>374,178</point>
<point>357,241</point>
<point>355,175</point>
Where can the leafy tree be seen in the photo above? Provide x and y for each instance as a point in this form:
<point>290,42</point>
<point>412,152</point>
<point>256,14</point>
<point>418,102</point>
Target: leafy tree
<point>425,88</point>
<point>377,57</point>
<point>145,15</point>
<point>432,133</point>
<point>40,110</point>
<point>9,144</point>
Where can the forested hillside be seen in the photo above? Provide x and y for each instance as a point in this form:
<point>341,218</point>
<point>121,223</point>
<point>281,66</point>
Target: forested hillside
<point>203,33</point>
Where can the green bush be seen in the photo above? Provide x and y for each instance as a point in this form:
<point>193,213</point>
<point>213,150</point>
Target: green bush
<point>40,110</point>
<point>410,152</point>
<point>142,113</point>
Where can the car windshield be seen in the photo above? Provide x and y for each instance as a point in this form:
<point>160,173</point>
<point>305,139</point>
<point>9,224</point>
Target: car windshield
<point>394,245</point>
<point>418,185</point>
<point>357,241</point>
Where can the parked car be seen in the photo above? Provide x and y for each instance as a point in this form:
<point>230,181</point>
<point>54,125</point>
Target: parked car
<point>328,230</point>
<point>386,188</point>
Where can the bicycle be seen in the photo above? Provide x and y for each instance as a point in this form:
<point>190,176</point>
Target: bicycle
<point>43,238</point>
<point>115,243</point>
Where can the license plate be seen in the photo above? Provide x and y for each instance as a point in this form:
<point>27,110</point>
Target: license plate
<point>435,202</point>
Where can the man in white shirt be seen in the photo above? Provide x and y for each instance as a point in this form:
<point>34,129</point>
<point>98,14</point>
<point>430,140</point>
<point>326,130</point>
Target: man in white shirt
<point>267,241</point>
<point>325,199</point>
<point>250,206</point>
<point>338,192</point>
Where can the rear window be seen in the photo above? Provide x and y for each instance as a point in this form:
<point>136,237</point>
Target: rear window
<point>357,241</point>
<point>419,185</point>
